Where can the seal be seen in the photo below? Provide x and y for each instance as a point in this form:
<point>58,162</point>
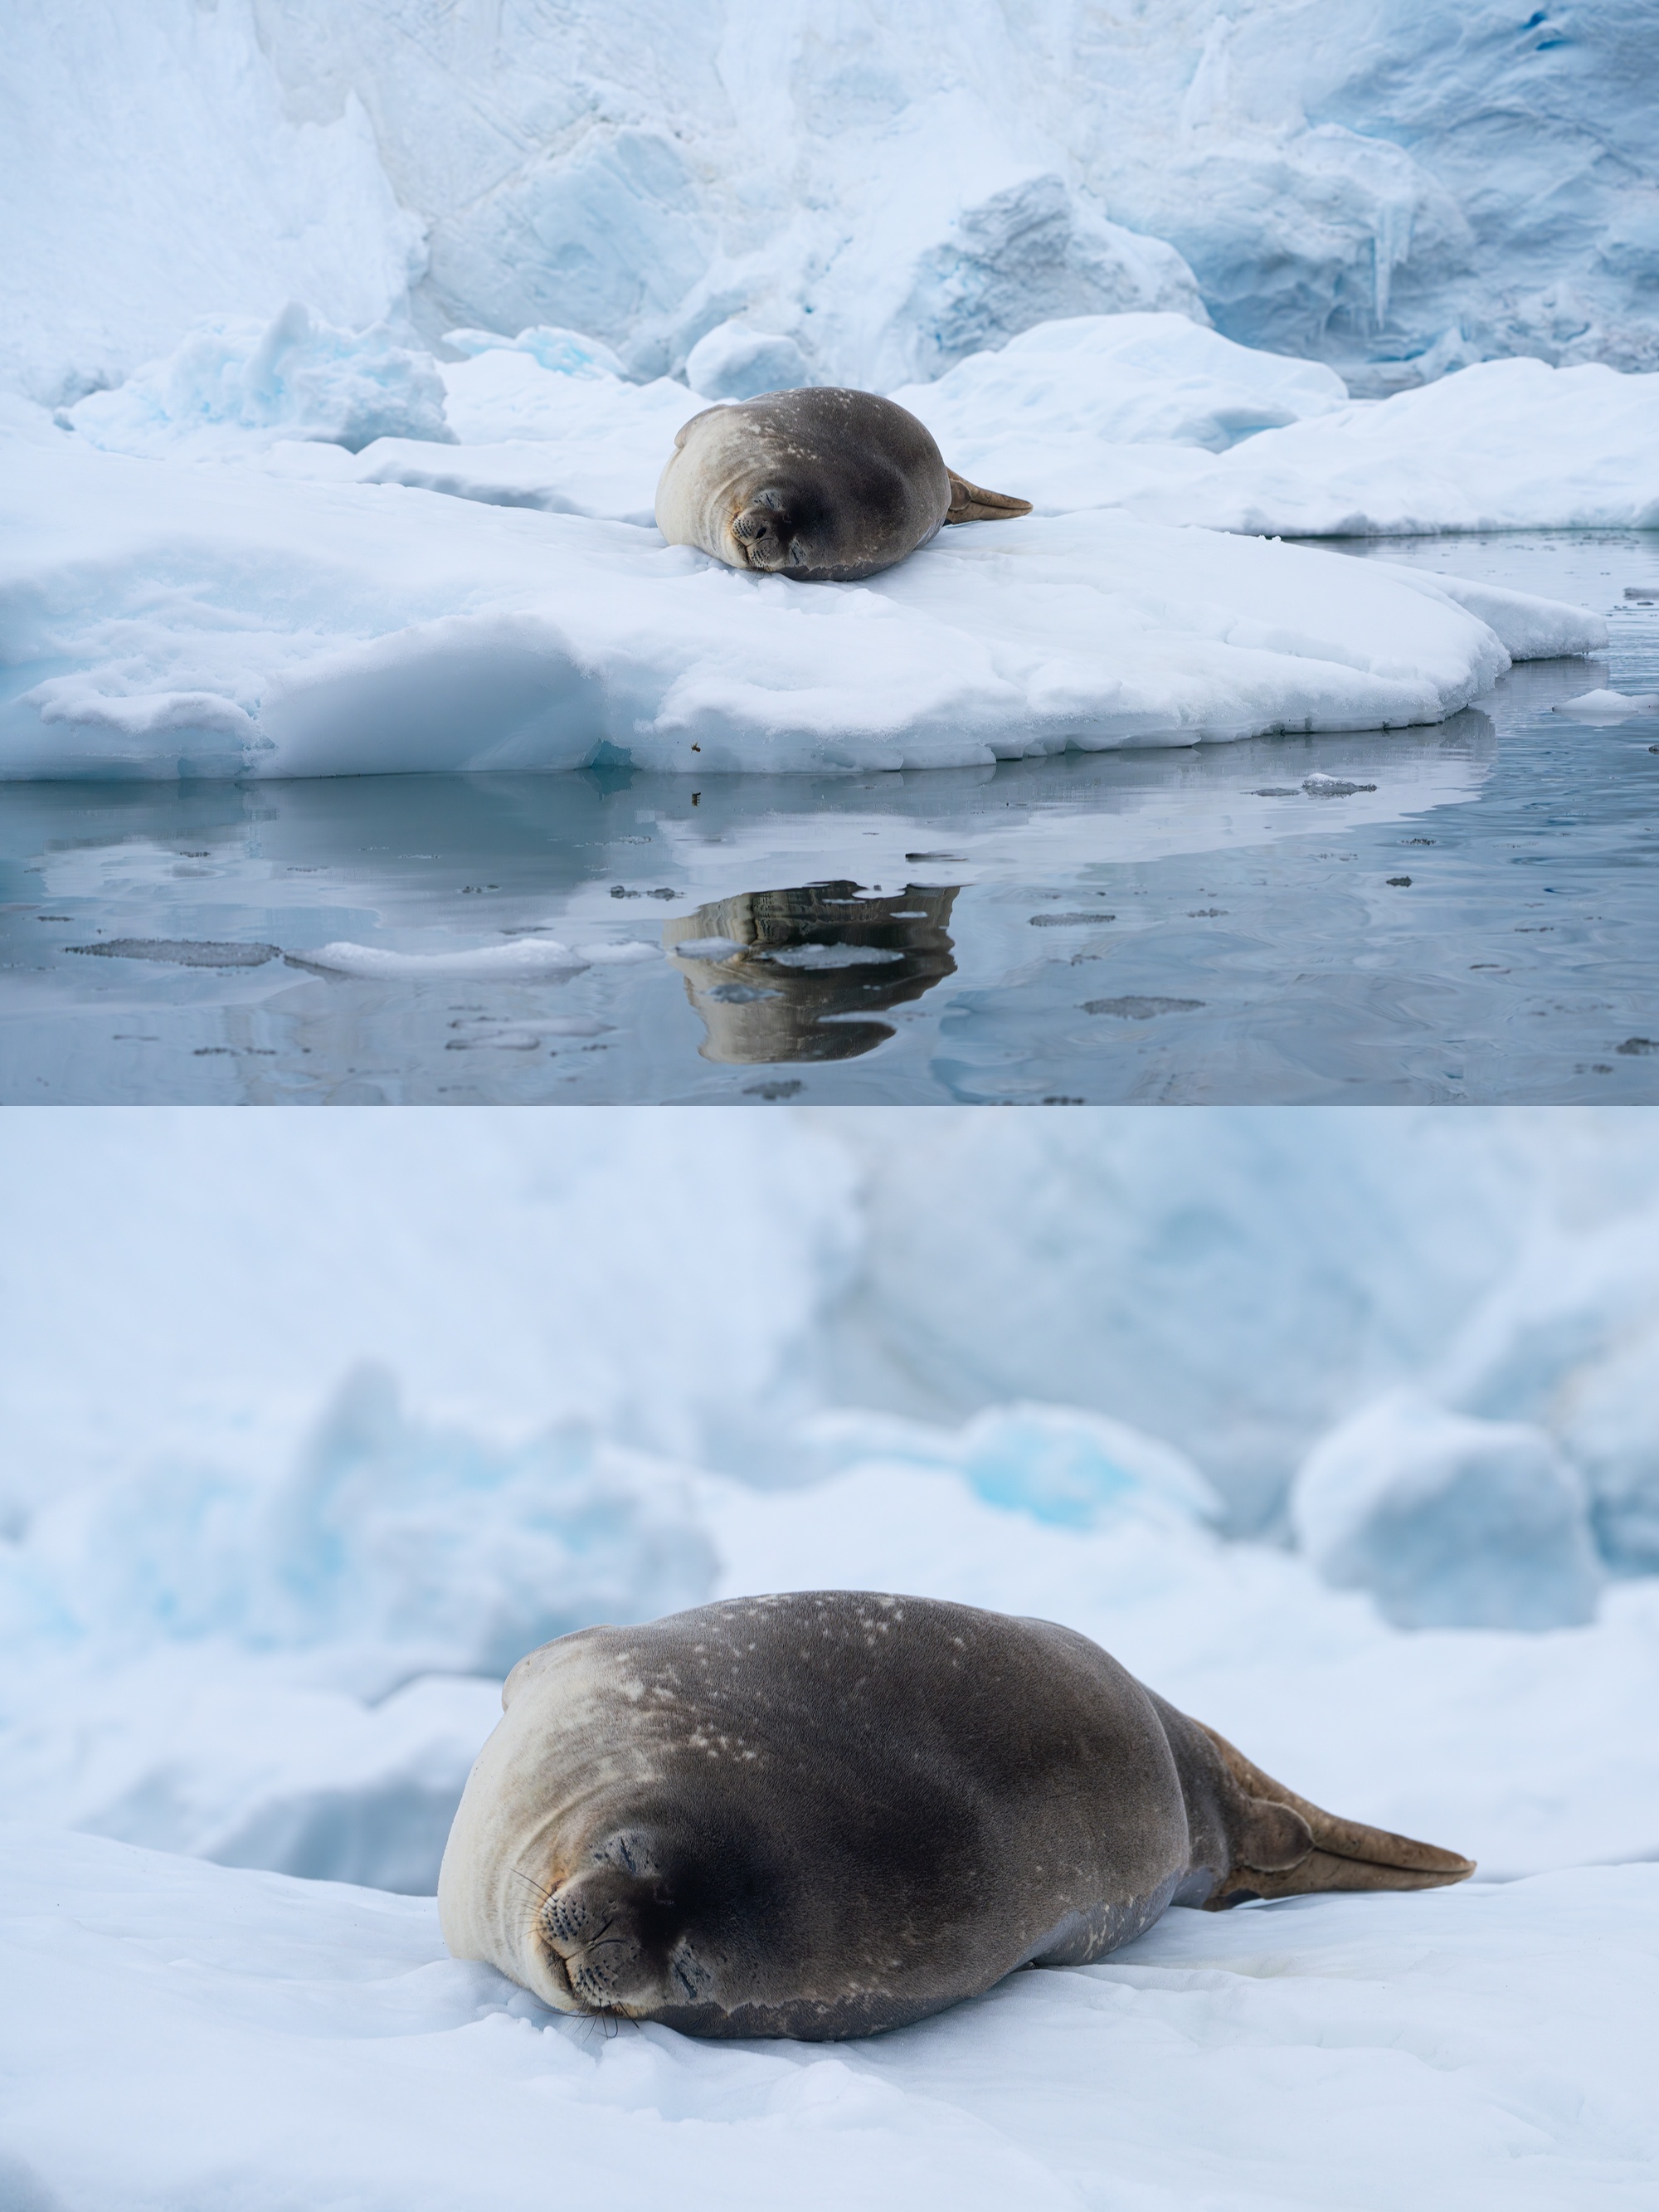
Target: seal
<point>822,485</point>
<point>834,1812</point>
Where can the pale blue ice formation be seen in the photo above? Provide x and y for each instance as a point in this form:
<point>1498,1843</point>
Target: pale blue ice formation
<point>1069,1468</point>
<point>296,376</point>
<point>734,362</point>
<point>1397,188</point>
<point>389,1548</point>
<point>1449,1523</point>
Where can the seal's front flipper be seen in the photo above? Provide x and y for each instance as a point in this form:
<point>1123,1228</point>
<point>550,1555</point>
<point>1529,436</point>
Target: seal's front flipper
<point>1341,1854</point>
<point>969,503</point>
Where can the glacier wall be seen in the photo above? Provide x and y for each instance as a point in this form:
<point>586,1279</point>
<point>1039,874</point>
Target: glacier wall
<point>1395,186</point>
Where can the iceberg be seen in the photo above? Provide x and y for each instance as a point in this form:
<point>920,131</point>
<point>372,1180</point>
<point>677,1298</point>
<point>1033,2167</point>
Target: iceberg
<point>1395,190</point>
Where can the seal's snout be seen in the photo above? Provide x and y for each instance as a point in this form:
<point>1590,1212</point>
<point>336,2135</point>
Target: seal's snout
<point>619,1936</point>
<point>764,533</point>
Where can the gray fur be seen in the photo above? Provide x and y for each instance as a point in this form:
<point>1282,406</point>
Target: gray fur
<point>822,485</point>
<point>834,1812</point>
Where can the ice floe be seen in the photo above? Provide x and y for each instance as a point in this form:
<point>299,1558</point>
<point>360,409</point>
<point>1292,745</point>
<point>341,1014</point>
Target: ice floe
<point>310,628</point>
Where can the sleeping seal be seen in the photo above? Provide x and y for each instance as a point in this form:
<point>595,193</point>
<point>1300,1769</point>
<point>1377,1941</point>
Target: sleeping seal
<point>822,485</point>
<point>829,1813</point>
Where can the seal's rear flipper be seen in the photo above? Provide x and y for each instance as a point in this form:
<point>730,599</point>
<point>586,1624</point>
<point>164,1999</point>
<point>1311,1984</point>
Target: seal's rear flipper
<point>970,504</point>
<point>1344,1854</point>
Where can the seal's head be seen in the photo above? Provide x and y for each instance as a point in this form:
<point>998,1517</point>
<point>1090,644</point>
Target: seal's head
<point>620,1931</point>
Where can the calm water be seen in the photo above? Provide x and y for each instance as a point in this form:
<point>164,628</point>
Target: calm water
<point>1474,917</point>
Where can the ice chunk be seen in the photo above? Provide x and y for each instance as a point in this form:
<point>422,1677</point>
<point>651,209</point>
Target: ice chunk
<point>1609,706</point>
<point>1057,1463</point>
<point>564,353</point>
<point>234,381</point>
<point>1449,1523</point>
<point>734,362</point>
<point>526,958</point>
<point>421,633</point>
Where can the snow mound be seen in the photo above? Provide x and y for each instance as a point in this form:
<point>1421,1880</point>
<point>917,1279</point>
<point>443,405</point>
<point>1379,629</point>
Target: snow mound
<point>1070,1468</point>
<point>734,362</point>
<point>400,1549</point>
<point>420,633</point>
<point>1065,386</point>
<point>1450,1522</point>
<point>1175,423</point>
<point>265,2042</point>
<point>293,378</point>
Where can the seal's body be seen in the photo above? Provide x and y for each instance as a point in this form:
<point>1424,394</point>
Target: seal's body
<point>820,485</point>
<point>826,1813</point>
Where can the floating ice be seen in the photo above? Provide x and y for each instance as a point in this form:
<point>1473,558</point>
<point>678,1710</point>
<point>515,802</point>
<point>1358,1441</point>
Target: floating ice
<point>1450,1522</point>
<point>526,959</point>
<point>234,380</point>
<point>421,633</point>
<point>1609,706</point>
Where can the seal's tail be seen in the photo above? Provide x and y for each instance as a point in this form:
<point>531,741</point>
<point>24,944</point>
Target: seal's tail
<point>969,503</point>
<point>1345,1854</point>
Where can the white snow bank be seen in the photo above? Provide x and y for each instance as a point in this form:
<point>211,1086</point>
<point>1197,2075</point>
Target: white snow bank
<point>1113,411</point>
<point>419,633</point>
<point>262,2043</point>
<point>1067,387</point>
<point>1449,1522</point>
<point>293,378</point>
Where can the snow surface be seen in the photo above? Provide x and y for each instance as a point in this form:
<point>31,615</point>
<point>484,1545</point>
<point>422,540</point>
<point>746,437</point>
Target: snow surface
<point>262,2043</point>
<point>278,1645</point>
<point>1397,188</point>
<point>221,620</point>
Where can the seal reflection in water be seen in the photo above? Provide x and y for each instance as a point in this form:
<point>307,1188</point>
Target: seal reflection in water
<point>829,1813</point>
<point>796,975</point>
<point>822,485</point>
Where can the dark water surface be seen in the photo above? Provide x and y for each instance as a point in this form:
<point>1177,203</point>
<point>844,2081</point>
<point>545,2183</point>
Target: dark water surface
<point>1462,913</point>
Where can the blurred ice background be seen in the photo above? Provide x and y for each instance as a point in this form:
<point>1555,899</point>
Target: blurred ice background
<point>1343,1430</point>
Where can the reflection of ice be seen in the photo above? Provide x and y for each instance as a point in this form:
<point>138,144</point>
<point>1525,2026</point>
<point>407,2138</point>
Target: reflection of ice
<point>796,975</point>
